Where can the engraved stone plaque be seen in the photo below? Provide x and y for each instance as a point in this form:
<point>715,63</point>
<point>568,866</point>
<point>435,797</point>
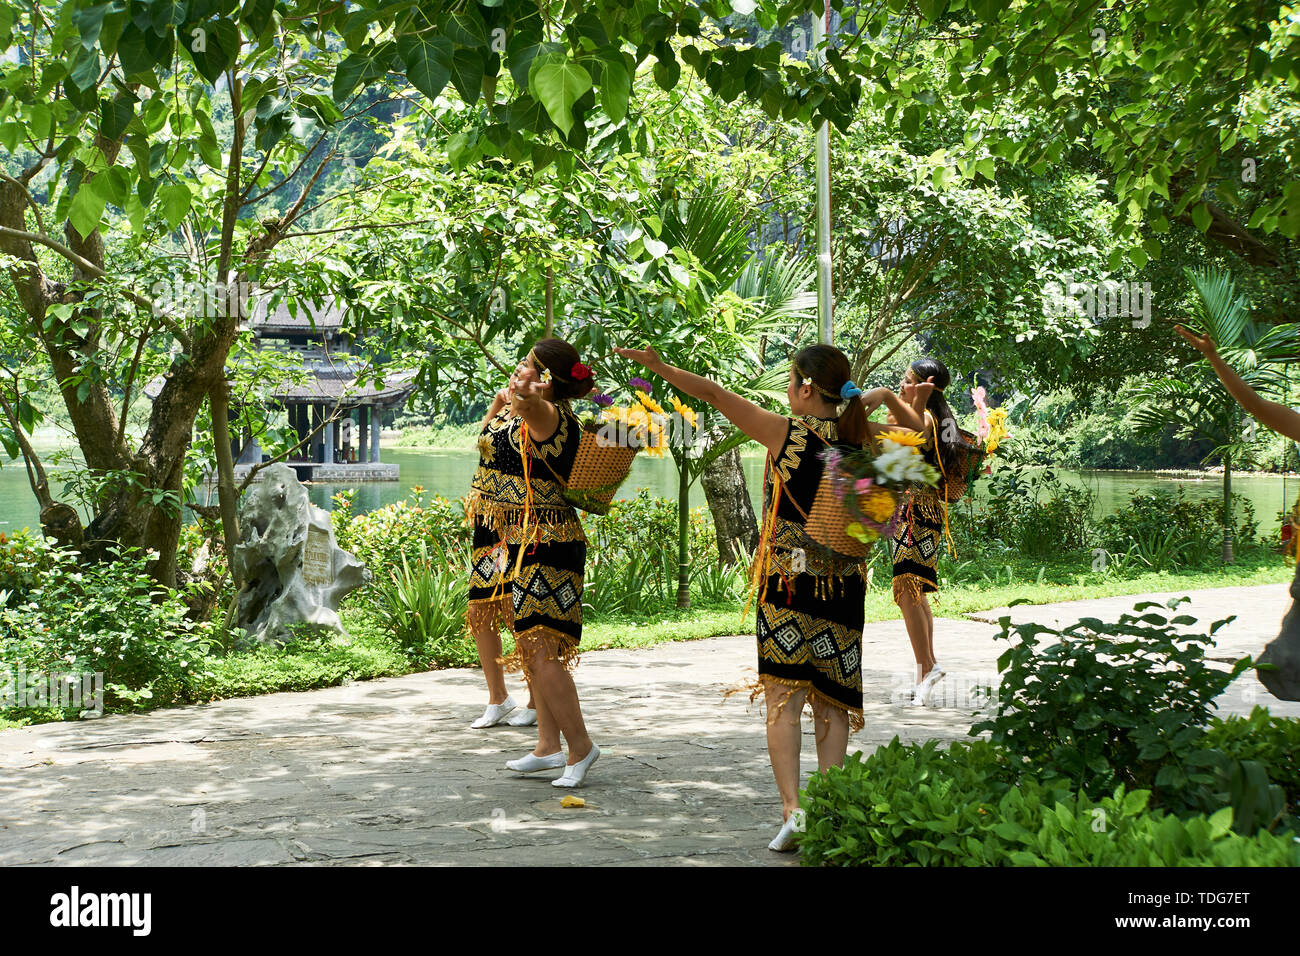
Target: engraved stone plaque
<point>317,560</point>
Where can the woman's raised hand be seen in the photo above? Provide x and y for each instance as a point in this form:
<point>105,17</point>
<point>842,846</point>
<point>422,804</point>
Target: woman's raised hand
<point>1202,343</point>
<point>647,357</point>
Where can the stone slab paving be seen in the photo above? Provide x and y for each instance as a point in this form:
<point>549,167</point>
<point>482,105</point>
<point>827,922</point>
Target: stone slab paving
<point>388,772</point>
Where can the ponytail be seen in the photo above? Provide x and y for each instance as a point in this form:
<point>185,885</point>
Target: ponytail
<point>852,423</point>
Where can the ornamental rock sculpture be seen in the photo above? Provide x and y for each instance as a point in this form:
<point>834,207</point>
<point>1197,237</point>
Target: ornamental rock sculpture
<point>294,572</point>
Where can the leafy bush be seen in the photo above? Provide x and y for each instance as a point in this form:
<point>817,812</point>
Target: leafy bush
<point>1110,704</point>
<point>1033,512</point>
<point>108,618</point>
<point>422,604</point>
<point>1272,741</point>
<point>24,560</point>
<point>919,806</point>
<point>1166,529</point>
<point>381,538</point>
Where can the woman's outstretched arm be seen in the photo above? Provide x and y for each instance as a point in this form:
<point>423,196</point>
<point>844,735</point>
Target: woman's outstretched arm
<point>1281,419</point>
<point>767,428</point>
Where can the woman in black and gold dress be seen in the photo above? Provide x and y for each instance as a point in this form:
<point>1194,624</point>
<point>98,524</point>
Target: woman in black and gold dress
<point>918,540</point>
<point>811,608</point>
<point>529,551</point>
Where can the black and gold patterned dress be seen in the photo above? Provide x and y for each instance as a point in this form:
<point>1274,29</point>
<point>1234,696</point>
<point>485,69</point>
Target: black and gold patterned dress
<point>811,603</point>
<point>529,549</point>
<point>918,540</point>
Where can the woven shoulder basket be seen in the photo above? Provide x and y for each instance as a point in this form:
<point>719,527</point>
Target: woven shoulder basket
<point>827,520</point>
<point>970,456</point>
<point>598,470</point>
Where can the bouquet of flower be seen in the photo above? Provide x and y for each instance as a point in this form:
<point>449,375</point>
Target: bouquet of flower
<point>861,492</point>
<point>991,432</point>
<point>610,441</point>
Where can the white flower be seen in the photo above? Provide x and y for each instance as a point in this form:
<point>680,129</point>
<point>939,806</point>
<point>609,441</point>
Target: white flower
<point>899,464</point>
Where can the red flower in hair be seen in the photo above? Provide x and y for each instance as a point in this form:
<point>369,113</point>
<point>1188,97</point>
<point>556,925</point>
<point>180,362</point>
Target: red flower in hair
<point>579,372</point>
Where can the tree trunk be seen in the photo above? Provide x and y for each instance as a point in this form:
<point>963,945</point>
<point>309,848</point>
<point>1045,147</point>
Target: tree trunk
<point>1227,509</point>
<point>227,497</point>
<point>683,531</point>
<point>734,523</point>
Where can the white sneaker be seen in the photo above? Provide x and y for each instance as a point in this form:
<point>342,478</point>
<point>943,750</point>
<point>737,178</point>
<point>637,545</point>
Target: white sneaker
<point>494,714</point>
<point>574,774</point>
<point>922,693</point>
<point>531,763</point>
<point>785,840</point>
<point>523,717</point>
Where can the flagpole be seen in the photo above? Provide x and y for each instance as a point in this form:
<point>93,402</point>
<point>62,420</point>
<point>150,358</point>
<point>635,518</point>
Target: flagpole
<point>823,202</point>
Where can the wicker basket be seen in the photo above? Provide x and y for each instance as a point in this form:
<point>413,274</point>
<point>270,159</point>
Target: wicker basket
<point>827,520</point>
<point>970,456</point>
<point>598,471</point>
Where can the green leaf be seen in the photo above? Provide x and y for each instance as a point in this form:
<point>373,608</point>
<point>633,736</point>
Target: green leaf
<point>349,74</point>
<point>615,88</point>
<point>466,29</point>
<point>1201,216</point>
<point>87,209</point>
<point>428,63</point>
<point>467,74</point>
<point>557,86</point>
<point>212,46</point>
<point>175,201</point>
<point>1220,823</point>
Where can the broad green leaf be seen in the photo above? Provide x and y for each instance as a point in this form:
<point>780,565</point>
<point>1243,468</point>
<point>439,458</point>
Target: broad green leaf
<point>428,62</point>
<point>558,86</point>
<point>175,201</point>
<point>86,211</point>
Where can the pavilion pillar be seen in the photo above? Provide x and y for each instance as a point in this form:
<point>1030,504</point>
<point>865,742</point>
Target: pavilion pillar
<point>328,434</point>
<point>363,445</point>
<point>376,425</point>
<point>316,419</point>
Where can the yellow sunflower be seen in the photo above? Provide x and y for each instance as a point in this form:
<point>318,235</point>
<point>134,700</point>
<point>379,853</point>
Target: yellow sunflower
<point>912,439</point>
<point>879,506</point>
<point>649,403</point>
<point>687,414</point>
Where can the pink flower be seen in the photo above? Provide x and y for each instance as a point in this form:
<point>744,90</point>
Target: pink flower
<point>981,410</point>
<point>862,485</point>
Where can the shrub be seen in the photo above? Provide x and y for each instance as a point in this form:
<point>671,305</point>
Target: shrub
<point>1033,512</point>
<point>380,538</point>
<point>24,560</point>
<point>1272,741</point>
<point>1110,704</point>
<point>108,618</point>
<point>422,604</point>
<point>1166,529</point>
<point>917,805</point>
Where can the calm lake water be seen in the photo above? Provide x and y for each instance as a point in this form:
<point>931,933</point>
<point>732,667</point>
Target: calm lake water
<point>449,472</point>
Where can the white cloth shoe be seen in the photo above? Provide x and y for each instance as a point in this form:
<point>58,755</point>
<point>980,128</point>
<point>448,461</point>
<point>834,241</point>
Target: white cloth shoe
<point>531,763</point>
<point>574,774</point>
<point>494,714</point>
<point>523,717</point>
<point>784,841</point>
<point>922,693</point>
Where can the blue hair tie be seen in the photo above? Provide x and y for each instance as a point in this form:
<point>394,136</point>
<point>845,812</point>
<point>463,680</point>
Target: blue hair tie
<point>848,390</point>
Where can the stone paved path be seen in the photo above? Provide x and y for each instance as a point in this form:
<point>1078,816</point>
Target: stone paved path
<point>387,771</point>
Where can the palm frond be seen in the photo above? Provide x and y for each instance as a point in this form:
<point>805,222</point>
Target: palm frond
<point>1222,312</point>
<point>781,286</point>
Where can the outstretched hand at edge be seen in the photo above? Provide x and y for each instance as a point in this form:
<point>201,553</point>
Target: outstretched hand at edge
<point>646,357</point>
<point>1202,343</point>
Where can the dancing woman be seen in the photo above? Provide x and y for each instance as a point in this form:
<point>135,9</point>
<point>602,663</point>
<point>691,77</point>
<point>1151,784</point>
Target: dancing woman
<point>1284,651</point>
<point>918,540</point>
<point>529,552</point>
<point>811,607</point>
